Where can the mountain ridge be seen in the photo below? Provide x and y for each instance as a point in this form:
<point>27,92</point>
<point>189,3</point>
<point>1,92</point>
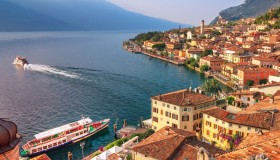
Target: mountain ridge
<point>250,8</point>
<point>72,15</point>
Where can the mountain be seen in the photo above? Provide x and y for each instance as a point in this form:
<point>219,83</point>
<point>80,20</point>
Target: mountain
<point>250,8</point>
<point>29,15</point>
<point>17,18</point>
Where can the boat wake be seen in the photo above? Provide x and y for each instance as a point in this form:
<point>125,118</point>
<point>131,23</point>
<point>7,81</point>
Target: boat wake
<point>49,70</point>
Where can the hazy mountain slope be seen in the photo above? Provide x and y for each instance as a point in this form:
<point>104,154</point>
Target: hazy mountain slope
<point>16,18</point>
<point>95,15</point>
<point>250,8</point>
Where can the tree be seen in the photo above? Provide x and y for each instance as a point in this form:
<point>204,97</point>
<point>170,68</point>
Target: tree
<point>263,81</point>
<point>250,82</point>
<point>230,100</point>
<point>159,47</point>
<point>207,52</point>
<point>193,63</point>
<point>212,86</point>
<point>204,68</point>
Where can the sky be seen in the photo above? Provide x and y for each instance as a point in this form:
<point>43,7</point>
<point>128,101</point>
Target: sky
<point>182,11</point>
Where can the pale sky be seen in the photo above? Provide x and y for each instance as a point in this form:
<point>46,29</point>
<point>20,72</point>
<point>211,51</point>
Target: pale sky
<point>182,11</point>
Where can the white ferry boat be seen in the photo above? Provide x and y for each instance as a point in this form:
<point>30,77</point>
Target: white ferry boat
<point>20,61</point>
<point>63,135</point>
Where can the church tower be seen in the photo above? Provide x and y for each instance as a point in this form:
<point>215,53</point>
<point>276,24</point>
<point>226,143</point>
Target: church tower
<point>202,27</point>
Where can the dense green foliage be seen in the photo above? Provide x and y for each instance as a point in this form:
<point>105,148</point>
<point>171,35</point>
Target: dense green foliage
<point>159,47</point>
<point>204,68</point>
<point>207,53</point>
<point>263,19</point>
<point>144,135</point>
<point>250,83</point>
<point>230,100</point>
<point>263,81</point>
<point>152,36</point>
<point>212,86</point>
<point>193,63</point>
<point>118,143</point>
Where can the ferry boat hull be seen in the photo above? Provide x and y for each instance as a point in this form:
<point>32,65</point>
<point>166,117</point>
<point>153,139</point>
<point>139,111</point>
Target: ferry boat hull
<point>104,126</point>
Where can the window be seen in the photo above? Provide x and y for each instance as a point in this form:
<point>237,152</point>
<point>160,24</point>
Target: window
<point>55,144</point>
<point>175,108</point>
<point>155,119</point>
<point>194,117</point>
<point>217,120</point>
<point>45,147</point>
<point>163,104</point>
<point>85,131</point>
<point>155,102</point>
<point>64,140</point>
<point>208,116</point>
<point>34,150</point>
<point>214,135</point>
<point>230,124</point>
<point>194,127</point>
<point>249,128</point>
<point>230,132</point>
<point>161,112</point>
<point>50,146</point>
<point>200,115</point>
<point>185,127</point>
<point>185,109</point>
<point>168,106</point>
<point>207,132</point>
<point>248,99</point>
<point>174,116</point>
<point>185,118</point>
<point>256,129</point>
<point>155,110</point>
<point>77,134</point>
<point>39,149</point>
<point>215,126</point>
<point>239,126</point>
<point>167,122</point>
<point>223,122</point>
<point>59,142</point>
<point>174,126</point>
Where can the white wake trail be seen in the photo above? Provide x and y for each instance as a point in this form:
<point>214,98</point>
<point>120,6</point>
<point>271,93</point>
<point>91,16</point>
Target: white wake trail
<point>49,70</point>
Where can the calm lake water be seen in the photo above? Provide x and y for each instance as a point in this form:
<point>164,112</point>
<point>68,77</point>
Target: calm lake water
<point>80,73</point>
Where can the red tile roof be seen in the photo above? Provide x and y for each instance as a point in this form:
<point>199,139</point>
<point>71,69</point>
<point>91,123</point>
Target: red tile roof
<point>268,144</point>
<point>259,120</point>
<point>162,144</point>
<point>184,98</point>
<point>212,59</point>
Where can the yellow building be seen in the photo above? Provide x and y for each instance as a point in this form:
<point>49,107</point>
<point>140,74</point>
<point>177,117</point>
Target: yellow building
<point>180,109</point>
<point>220,127</point>
<point>149,44</point>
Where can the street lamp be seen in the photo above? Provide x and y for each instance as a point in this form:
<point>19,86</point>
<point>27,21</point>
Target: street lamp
<point>82,145</point>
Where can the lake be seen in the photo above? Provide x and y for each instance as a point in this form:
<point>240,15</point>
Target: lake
<point>81,73</point>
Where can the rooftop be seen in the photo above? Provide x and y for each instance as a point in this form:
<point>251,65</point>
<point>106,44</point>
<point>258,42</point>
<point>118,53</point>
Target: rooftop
<point>268,144</point>
<point>163,143</point>
<point>184,98</point>
<point>259,120</point>
<point>212,59</point>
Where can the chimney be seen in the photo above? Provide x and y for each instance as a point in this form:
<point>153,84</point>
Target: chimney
<point>167,131</point>
<point>260,132</point>
<point>271,100</point>
<point>190,89</point>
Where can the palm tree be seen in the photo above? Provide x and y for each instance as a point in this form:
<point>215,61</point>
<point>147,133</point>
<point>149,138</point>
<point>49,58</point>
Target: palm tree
<point>213,87</point>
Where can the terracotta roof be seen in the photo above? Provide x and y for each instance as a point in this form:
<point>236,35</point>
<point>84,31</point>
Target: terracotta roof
<point>190,148</point>
<point>114,157</point>
<point>212,59</point>
<point>184,98</point>
<point>277,93</point>
<point>255,94</point>
<point>264,59</point>
<point>268,144</point>
<point>255,138</point>
<point>267,85</point>
<point>259,120</point>
<point>162,144</point>
<point>41,157</point>
<point>263,105</point>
